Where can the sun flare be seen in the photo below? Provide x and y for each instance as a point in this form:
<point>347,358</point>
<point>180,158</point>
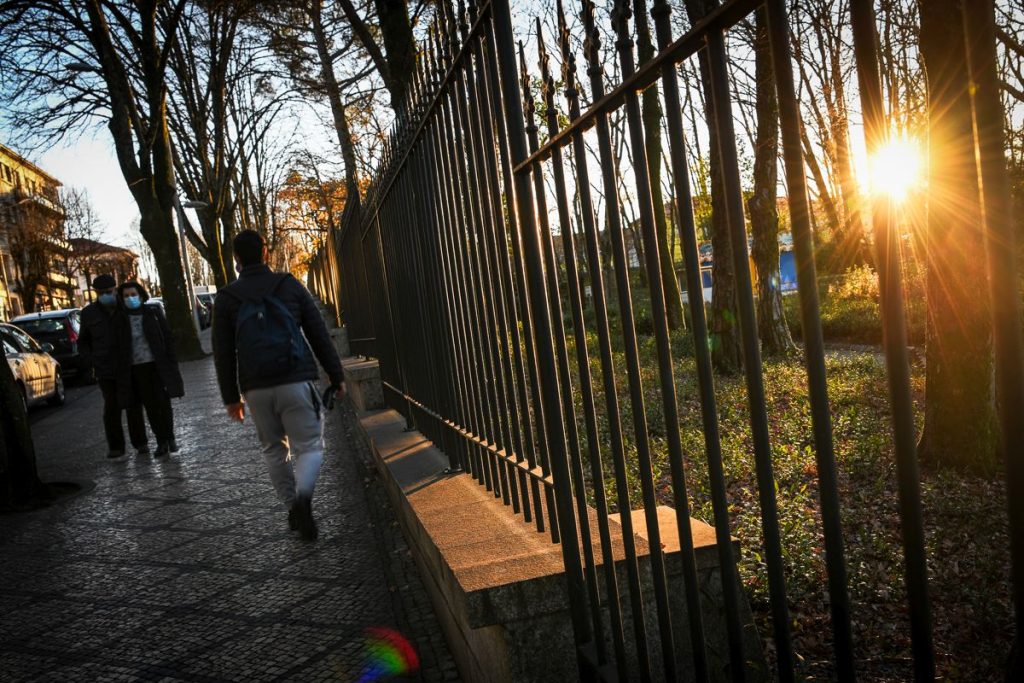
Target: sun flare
<point>896,168</point>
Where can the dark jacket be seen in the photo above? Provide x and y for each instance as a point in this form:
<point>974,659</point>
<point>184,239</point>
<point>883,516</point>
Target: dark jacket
<point>161,343</point>
<point>96,339</point>
<point>253,282</point>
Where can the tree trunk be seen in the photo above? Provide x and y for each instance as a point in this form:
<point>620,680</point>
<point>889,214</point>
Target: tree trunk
<point>764,218</point>
<point>144,155</point>
<point>824,196</point>
<point>651,103</point>
<point>399,45</point>
<point>854,249</point>
<point>341,125</point>
<point>214,255</point>
<point>960,425</point>
<point>726,351</point>
<point>19,483</point>
<point>157,227</point>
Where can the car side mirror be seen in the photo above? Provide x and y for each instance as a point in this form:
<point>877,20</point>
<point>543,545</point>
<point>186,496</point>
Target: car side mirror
<point>47,348</point>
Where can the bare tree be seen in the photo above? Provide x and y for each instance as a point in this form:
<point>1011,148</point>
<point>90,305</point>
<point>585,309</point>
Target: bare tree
<point>68,64</point>
<point>36,239</point>
<point>81,225</point>
<point>200,63</point>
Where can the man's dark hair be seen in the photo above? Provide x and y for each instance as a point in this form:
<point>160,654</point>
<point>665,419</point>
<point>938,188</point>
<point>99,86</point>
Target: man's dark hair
<point>248,246</point>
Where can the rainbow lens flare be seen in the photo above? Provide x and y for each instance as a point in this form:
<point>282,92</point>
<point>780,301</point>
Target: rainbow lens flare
<point>387,653</point>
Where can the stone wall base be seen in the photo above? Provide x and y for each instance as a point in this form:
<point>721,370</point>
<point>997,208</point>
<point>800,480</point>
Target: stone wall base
<point>498,585</point>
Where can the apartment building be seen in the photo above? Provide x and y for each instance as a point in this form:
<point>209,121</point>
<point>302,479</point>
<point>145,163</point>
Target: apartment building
<point>33,251</point>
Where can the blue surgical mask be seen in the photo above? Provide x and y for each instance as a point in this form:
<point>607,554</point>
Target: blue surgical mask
<point>108,299</point>
<point>132,302</point>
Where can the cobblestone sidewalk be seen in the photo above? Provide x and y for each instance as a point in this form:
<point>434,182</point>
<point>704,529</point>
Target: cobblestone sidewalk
<point>183,569</point>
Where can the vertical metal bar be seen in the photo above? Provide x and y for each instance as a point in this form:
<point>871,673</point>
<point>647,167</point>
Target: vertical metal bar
<point>463,240</point>
<point>494,313</point>
<point>450,285</point>
<point>621,15</point>
<point>643,446</point>
<point>495,241</point>
<point>1001,247</point>
<point>554,427</point>
<point>814,345</point>
<point>475,227</point>
<point>456,298</point>
<point>596,271</point>
<point>554,301</point>
<point>534,448</point>
<point>562,354</point>
<point>539,407</point>
<point>705,375</point>
<point>751,353</point>
<point>456,173</point>
<point>890,287</point>
<point>586,386</point>
<point>452,375</point>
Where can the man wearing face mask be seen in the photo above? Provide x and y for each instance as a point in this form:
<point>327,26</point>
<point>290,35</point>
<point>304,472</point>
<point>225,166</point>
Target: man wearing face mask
<point>96,342</point>
<point>147,367</point>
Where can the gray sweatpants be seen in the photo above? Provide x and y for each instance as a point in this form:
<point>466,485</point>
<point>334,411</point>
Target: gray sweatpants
<point>288,423</point>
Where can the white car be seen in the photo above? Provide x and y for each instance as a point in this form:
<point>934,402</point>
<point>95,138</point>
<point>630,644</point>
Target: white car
<point>36,372</point>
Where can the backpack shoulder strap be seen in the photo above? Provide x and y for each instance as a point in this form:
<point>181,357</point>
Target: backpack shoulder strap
<point>281,278</point>
<point>278,279</point>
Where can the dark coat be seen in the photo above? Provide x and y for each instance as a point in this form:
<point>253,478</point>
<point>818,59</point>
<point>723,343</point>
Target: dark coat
<point>254,281</point>
<point>96,339</point>
<point>161,343</point>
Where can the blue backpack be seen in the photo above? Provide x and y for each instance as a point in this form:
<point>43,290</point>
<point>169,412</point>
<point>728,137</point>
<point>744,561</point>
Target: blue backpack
<point>267,337</point>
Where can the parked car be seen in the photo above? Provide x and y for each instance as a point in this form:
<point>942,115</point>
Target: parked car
<point>37,373</point>
<point>60,330</point>
<point>206,299</point>
<point>205,311</point>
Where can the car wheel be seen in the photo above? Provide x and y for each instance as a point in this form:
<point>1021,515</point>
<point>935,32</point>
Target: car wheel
<point>58,391</point>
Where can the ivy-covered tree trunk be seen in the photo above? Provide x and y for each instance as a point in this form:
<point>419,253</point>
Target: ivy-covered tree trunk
<point>651,104</point>
<point>19,483</point>
<point>960,419</point>
<point>723,321</point>
<point>764,217</point>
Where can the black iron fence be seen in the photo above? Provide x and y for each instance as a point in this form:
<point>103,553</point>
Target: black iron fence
<point>485,329</point>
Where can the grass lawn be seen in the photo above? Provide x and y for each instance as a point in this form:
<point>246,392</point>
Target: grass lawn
<point>965,516</point>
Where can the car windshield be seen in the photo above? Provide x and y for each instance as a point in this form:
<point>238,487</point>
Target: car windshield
<point>42,326</point>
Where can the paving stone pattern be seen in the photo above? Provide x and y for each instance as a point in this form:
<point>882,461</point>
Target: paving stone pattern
<point>183,568</point>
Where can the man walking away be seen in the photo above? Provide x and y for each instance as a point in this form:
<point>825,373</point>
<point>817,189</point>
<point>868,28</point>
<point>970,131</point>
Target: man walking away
<point>262,359</point>
<point>97,342</point>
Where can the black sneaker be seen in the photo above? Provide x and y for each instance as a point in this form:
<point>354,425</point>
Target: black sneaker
<point>304,517</point>
<point>114,454</point>
<point>162,449</point>
<point>173,445</point>
<point>142,450</point>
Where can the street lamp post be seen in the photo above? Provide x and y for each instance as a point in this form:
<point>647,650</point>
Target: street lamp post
<point>189,290</point>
